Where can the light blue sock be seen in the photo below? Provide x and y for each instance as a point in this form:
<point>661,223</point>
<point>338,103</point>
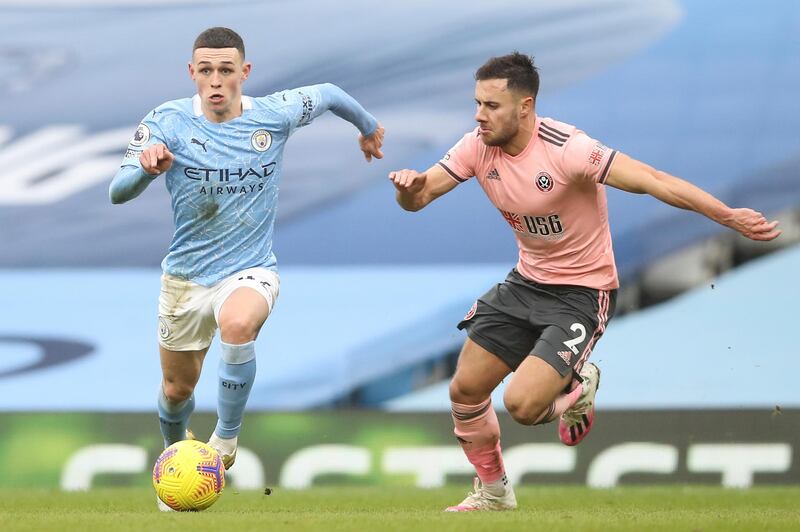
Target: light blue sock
<point>237,370</point>
<point>173,418</point>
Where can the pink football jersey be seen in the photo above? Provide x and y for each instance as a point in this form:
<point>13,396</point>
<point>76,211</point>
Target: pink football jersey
<point>552,196</point>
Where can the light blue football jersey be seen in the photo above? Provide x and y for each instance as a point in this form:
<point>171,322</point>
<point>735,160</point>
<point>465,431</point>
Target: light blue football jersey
<point>224,180</point>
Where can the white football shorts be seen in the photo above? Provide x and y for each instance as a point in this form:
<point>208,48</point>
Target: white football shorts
<point>188,312</point>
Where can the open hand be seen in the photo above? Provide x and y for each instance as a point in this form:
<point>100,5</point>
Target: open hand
<point>409,181</point>
<point>371,145</point>
<point>753,225</point>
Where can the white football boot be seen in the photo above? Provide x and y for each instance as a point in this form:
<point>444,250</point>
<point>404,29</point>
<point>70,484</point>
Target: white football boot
<point>226,449</point>
<point>497,496</point>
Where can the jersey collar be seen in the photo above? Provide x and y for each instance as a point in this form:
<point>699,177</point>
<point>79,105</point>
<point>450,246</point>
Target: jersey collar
<point>247,104</point>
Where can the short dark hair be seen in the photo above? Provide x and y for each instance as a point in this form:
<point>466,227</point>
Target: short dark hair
<point>219,37</point>
<point>515,67</point>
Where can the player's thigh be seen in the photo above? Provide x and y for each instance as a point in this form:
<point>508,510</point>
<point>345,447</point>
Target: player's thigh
<point>572,322</point>
<point>243,302</point>
<point>498,323</point>
<point>478,373</point>
<point>181,371</point>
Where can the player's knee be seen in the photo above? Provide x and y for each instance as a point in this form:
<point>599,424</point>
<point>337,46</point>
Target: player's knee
<point>177,392</point>
<point>237,329</point>
<point>466,393</point>
<point>456,395</point>
<point>524,409</point>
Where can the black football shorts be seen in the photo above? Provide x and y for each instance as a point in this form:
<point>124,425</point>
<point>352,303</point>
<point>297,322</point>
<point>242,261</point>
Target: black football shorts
<point>558,323</point>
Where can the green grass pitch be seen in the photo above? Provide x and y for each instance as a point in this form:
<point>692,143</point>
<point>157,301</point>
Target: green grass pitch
<point>695,509</point>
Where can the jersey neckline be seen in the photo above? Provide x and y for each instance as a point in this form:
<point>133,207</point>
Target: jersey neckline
<point>197,108</point>
<point>528,147</point>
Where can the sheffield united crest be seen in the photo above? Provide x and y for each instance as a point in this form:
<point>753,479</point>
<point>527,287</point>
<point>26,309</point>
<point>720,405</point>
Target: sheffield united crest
<point>544,182</point>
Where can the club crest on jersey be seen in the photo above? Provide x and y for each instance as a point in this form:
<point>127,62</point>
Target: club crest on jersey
<point>471,312</point>
<point>141,136</point>
<point>544,182</point>
<point>261,140</point>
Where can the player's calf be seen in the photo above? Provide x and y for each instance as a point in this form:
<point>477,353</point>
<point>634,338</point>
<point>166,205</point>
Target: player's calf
<point>525,410</point>
<point>174,417</point>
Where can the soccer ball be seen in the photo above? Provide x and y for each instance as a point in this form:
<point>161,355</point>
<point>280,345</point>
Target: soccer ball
<point>189,476</point>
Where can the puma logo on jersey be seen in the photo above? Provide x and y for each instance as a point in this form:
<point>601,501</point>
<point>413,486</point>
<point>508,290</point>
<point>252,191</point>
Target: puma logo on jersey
<point>201,144</point>
<point>493,175</point>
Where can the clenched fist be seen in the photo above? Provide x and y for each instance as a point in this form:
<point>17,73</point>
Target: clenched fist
<point>156,159</point>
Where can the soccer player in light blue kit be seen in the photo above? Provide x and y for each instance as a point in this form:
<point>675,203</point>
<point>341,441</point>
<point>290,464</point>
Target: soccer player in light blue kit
<point>221,156</point>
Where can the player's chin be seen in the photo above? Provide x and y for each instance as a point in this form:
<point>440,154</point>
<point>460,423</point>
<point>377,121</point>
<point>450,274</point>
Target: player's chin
<point>490,140</point>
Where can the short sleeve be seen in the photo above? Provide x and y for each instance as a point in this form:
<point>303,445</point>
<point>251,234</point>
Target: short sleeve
<point>460,160</point>
<point>147,133</point>
<point>586,159</point>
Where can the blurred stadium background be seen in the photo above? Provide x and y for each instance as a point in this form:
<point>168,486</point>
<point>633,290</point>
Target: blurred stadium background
<point>699,380</point>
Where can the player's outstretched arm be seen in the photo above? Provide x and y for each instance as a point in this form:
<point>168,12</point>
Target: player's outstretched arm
<point>415,190</point>
<point>131,181</point>
<point>346,107</point>
<point>631,175</point>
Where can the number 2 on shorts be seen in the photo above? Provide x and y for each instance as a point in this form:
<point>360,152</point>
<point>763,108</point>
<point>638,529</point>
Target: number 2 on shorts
<point>575,341</point>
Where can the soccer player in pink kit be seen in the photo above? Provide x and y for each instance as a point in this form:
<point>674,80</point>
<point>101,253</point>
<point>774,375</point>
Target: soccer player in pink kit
<point>548,180</point>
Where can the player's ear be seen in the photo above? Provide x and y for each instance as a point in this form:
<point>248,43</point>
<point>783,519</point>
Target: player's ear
<point>191,70</point>
<point>246,70</point>
<point>526,106</point>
